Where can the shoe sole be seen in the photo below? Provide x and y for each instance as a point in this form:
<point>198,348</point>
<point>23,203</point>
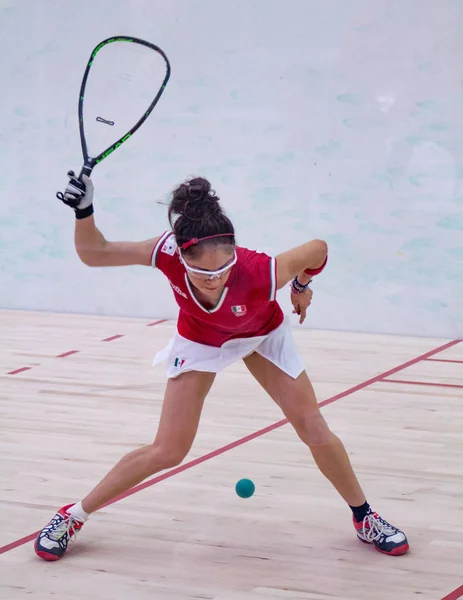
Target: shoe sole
<point>45,555</point>
<point>395,552</point>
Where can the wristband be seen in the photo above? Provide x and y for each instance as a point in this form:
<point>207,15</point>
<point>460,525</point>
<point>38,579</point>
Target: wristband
<point>84,213</point>
<point>298,288</point>
<point>318,270</point>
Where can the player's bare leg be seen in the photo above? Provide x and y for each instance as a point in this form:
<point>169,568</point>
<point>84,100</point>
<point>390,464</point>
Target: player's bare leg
<point>296,398</point>
<point>181,411</point>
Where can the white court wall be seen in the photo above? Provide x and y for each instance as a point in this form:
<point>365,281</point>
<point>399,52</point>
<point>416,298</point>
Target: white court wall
<point>339,119</point>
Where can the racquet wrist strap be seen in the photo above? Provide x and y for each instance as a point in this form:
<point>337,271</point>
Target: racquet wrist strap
<point>84,212</point>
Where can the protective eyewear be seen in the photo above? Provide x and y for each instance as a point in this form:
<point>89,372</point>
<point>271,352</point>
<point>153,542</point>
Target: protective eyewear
<point>205,275</point>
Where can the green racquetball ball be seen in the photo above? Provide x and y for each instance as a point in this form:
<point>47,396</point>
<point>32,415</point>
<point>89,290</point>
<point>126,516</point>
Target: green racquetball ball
<point>245,488</point>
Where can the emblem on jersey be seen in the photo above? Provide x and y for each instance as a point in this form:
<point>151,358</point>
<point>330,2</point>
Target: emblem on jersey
<point>169,246</point>
<point>239,310</point>
<point>179,362</point>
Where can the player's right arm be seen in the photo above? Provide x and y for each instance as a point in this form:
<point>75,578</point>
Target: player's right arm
<point>91,246</point>
<point>95,251</point>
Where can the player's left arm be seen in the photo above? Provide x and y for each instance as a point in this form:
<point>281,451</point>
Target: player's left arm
<point>302,262</point>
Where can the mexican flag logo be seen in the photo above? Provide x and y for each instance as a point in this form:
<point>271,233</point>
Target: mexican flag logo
<point>179,362</point>
<point>239,310</point>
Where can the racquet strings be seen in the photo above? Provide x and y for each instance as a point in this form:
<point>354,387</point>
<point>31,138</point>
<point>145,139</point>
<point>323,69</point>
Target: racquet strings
<point>123,80</point>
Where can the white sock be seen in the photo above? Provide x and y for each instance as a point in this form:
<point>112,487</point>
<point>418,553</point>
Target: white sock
<point>77,511</point>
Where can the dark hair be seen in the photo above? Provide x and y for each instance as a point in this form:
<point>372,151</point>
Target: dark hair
<point>195,212</point>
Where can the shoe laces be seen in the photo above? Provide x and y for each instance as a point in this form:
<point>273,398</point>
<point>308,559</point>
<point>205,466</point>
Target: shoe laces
<point>375,527</point>
<point>60,527</point>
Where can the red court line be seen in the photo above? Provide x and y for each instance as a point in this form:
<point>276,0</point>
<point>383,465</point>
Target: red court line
<point>432,383</point>
<point>16,371</point>
<point>458,593</point>
<point>64,354</point>
<point>460,362</point>
<point>71,352</point>
<point>156,322</point>
<point>113,337</point>
<point>242,440</point>
<point>261,432</point>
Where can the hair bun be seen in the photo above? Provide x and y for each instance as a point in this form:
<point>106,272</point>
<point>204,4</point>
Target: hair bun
<point>195,191</point>
<point>194,200</point>
<point>198,188</point>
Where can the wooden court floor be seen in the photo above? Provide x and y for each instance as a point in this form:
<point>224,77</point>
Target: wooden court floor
<point>78,392</point>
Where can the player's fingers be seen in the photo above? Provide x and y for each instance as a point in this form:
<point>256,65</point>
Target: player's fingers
<point>71,198</point>
<point>302,314</point>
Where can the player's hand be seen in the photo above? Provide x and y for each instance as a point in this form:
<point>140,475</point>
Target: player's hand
<point>78,195</point>
<point>300,303</point>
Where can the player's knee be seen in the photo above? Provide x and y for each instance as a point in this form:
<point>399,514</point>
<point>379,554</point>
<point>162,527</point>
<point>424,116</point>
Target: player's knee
<point>313,429</point>
<point>163,456</point>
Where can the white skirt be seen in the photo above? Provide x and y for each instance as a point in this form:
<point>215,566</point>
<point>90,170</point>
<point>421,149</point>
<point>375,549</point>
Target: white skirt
<point>182,355</point>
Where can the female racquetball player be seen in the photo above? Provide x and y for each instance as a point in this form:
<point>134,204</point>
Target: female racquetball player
<point>228,311</point>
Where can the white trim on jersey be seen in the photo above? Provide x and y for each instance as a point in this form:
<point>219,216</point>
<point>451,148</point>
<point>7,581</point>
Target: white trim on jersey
<point>219,302</point>
<point>161,240</point>
<point>273,279</point>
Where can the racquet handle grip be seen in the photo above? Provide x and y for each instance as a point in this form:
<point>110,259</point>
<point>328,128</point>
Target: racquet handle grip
<point>86,170</point>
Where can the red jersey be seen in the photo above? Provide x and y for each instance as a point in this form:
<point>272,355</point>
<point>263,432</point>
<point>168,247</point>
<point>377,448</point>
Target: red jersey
<point>246,308</point>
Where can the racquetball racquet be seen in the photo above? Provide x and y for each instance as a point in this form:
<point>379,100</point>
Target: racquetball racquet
<point>122,83</point>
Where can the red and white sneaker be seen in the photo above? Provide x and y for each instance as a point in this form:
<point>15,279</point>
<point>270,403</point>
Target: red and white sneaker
<point>386,538</point>
<point>52,542</point>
